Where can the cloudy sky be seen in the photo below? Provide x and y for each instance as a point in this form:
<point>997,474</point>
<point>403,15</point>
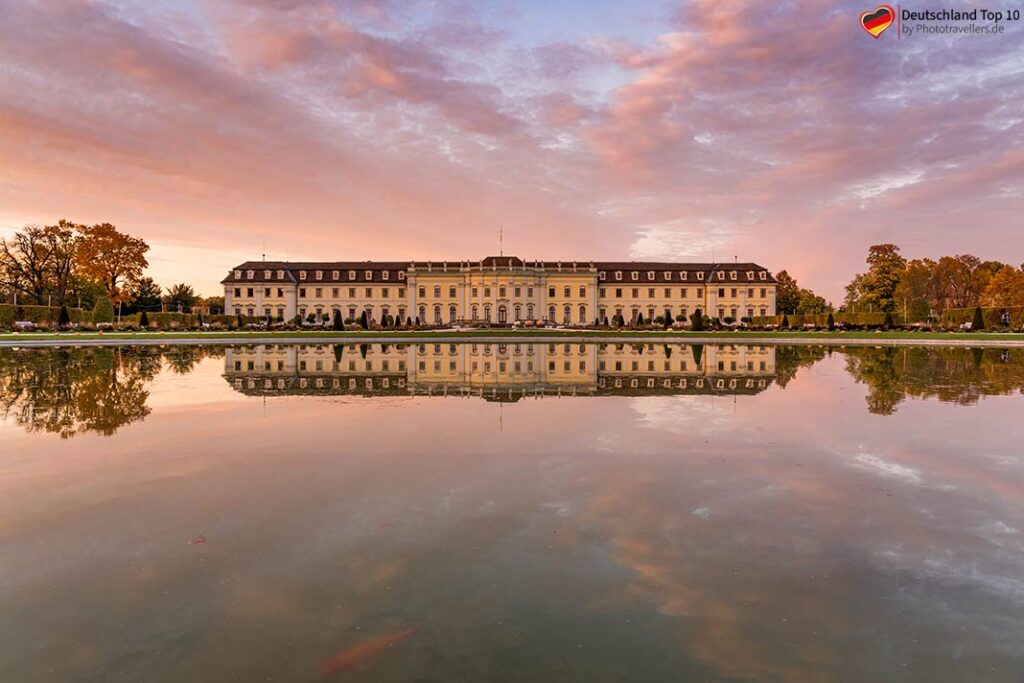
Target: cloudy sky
<point>778,132</point>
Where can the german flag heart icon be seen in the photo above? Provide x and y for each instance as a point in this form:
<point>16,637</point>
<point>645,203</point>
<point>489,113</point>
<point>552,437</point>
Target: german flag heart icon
<point>877,20</point>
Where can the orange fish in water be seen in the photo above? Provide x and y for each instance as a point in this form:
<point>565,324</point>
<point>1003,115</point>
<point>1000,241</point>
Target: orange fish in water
<point>351,657</point>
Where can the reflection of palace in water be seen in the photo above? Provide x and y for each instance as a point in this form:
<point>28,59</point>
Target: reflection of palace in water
<point>501,372</point>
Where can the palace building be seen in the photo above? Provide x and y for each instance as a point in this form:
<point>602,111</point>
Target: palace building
<point>499,290</point>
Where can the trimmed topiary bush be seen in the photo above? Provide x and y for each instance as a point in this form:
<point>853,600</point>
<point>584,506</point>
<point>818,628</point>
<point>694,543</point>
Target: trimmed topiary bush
<point>979,320</point>
<point>63,318</point>
<point>103,312</point>
<point>697,321</point>
<point>144,320</point>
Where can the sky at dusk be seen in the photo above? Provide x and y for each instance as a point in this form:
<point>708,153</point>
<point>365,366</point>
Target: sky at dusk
<point>775,132</point>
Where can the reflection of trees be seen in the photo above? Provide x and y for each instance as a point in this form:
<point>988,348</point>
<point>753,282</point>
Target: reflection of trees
<point>789,359</point>
<point>95,389</point>
<point>958,375</point>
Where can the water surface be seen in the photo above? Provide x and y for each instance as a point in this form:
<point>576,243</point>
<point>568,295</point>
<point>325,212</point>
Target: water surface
<point>459,512</point>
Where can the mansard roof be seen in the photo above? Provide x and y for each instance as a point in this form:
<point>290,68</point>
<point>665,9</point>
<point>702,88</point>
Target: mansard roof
<point>388,271</point>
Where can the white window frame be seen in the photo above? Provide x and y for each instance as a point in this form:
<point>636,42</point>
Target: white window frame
<point>369,275</point>
<point>238,275</point>
<point>319,275</point>
<point>634,275</point>
<point>601,275</point>
<point>401,275</point>
<point>335,275</point>
<point>618,274</point>
<point>700,275</point>
<point>650,275</point>
<point>384,275</point>
<point>764,275</point>
<point>351,275</point>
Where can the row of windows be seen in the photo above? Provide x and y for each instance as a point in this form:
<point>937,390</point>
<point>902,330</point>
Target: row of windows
<point>698,292</point>
<point>683,275</point>
<point>652,312</point>
<point>386,275</point>
<point>319,274</point>
<point>385,292</point>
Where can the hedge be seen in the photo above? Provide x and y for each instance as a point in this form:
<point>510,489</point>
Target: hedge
<point>821,319</point>
<point>9,313</point>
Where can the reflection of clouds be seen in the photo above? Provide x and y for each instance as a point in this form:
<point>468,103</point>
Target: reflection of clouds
<point>682,414</point>
<point>876,465</point>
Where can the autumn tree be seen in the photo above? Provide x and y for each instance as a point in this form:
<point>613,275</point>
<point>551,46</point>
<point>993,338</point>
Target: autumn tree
<point>111,257</point>
<point>39,263</point>
<point>1005,289</point>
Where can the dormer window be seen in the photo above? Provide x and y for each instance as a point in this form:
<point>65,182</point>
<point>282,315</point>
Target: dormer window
<point>732,274</point>
<point>650,275</point>
<point>266,274</point>
<point>682,275</point>
<point>302,275</point>
<point>721,275</point>
<point>618,274</point>
<point>668,274</point>
<point>700,275</point>
<point>238,275</point>
<point>401,275</point>
<point>369,275</point>
<point>635,275</point>
<point>601,275</point>
<point>750,275</point>
<point>351,275</point>
<point>249,274</point>
<point>319,275</point>
<point>280,275</point>
<point>384,275</point>
<point>335,275</point>
<point>764,275</point>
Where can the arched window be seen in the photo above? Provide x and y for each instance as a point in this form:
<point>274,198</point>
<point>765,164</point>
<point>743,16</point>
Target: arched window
<point>518,312</point>
<point>422,316</point>
<point>437,315</point>
<point>487,313</point>
<point>583,315</point>
<point>529,311</point>
<point>567,314</point>
<point>502,314</point>
<point>452,314</point>
<point>551,313</point>
<point>476,311</point>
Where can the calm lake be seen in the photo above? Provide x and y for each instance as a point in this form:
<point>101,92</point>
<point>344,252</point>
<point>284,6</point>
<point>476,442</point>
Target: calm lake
<point>530,512</point>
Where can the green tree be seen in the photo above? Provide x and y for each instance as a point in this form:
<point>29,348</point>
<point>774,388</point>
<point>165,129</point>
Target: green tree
<point>364,321</point>
<point>103,312</point>
<point>144,319</point>
<point>831,322</point>
<point>63,319</point>
<point>145,295</point>
<point>979,320</point>
<point>785,322</point>
<point>337,323</point>
<point>919,310</point>
<point>787,293</point>
<point>180,298</point>
<point>888,323</point>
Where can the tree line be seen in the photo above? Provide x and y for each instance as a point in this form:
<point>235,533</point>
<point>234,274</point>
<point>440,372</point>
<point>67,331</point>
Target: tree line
<point>72,264</point>
<point>925,287</point>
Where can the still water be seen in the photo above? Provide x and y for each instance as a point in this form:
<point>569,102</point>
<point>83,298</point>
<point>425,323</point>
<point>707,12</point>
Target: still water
<point>526,512</point>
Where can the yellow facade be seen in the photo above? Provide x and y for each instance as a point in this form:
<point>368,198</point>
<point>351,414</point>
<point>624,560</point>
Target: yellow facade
<point>513,370</point>
<point>499,290</point>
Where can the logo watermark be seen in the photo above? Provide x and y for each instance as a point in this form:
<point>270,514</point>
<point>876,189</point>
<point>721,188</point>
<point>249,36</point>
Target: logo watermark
<point>910,22</point>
